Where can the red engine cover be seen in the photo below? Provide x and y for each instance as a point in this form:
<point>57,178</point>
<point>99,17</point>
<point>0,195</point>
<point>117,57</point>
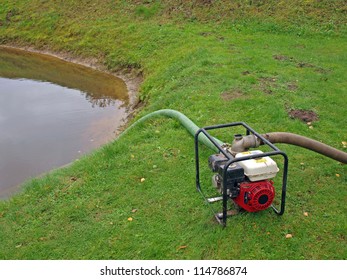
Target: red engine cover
<point>255,196</point>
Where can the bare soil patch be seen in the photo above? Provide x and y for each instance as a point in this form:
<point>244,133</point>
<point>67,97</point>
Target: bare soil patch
<point>303,115</point>
<point>282,57</point>
<point>267,84</point>
<point>232,94</point>
<point>292,86</point>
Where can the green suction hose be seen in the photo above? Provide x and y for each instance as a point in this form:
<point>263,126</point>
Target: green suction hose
<point>248,141</point>
<point>191,127</point>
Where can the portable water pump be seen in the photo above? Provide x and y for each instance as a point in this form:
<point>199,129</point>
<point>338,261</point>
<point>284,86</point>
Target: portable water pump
<point>242,177</point>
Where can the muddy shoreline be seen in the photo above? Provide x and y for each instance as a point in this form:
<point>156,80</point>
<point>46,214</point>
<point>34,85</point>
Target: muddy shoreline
<point>132,80</point>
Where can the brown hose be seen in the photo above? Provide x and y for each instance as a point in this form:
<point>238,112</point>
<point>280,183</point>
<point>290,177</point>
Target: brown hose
<point>298,140</point>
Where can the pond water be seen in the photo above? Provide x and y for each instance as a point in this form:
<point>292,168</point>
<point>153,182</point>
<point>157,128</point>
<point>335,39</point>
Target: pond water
<point>51,113</point>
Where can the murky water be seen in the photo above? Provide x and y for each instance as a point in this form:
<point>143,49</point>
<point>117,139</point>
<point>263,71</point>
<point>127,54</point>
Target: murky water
<point>51,113</point>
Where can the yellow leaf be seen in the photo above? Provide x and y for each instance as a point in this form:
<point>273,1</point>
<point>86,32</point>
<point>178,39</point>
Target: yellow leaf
<point>288,235</point>
<point>130,219</point>
<point>182,247</point>
<point>142,180</point>
<point>337,175</point>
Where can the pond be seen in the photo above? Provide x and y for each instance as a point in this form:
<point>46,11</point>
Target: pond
<point>51,113</point>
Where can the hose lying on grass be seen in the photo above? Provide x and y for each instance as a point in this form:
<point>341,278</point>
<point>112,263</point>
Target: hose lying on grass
<point>273,137</point>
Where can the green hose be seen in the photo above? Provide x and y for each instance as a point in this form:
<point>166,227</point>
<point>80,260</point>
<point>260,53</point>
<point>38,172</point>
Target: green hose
<point>191,127</point>
<point>275,137</point>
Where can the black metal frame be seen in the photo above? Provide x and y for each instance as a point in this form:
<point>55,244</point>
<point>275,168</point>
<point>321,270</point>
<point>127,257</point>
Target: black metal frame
<point>231,160</point>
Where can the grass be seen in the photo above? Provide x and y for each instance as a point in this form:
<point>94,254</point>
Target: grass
<point>211,64</point>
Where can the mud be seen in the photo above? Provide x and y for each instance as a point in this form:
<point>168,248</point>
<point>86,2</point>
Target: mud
<point>303,115</point>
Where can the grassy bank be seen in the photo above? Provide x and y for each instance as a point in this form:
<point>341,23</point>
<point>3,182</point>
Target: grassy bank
<point>217,62</point>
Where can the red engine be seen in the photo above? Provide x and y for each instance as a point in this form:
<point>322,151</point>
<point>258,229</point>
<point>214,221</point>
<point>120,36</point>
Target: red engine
<point>255,196</point>
<point>248,182</point>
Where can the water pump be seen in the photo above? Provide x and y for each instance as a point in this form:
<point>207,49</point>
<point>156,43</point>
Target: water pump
<point>248,182</point>
<point>243,177</point>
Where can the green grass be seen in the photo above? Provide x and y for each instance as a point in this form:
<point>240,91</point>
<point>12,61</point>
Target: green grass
<point>238,62</point>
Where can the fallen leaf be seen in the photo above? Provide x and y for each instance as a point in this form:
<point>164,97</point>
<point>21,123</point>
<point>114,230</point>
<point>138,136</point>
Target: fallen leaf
<point>182,247</point>
<point>310,127</point>
<point>309,123</point>
<point>134,211</point>
<point>344,144</point>
<point>305,214</point>
<point>130,219</point>
<point>288,235</point>
<point>19,245</point>
<point>142,180</point>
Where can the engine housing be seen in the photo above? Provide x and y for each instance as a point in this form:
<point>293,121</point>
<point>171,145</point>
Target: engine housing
<point>255,196</point>
<point>247,182</point>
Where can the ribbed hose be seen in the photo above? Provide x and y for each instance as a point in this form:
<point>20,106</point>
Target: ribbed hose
<point>301,141</point>
<point>191,127</point>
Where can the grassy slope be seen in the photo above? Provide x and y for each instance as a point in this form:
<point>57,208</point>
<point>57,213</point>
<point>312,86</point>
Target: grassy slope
<point>207,61</point>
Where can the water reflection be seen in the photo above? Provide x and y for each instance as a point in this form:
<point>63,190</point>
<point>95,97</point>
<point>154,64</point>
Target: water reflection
<point>101,89</point>
<point>52,112</point>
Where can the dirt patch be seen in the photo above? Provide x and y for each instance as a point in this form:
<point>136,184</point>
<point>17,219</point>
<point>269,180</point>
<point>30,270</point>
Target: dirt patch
<point>321,70</point>
<point>305,65</point>
<point>282,57</point>
<point>301,64</point>
<point>267,84</point>
<point>268,80</point>
<point>232,94</point>
<point>206,34</point>
<point>316,68</point>
<point>292,86</point>
<point>303,115</point>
